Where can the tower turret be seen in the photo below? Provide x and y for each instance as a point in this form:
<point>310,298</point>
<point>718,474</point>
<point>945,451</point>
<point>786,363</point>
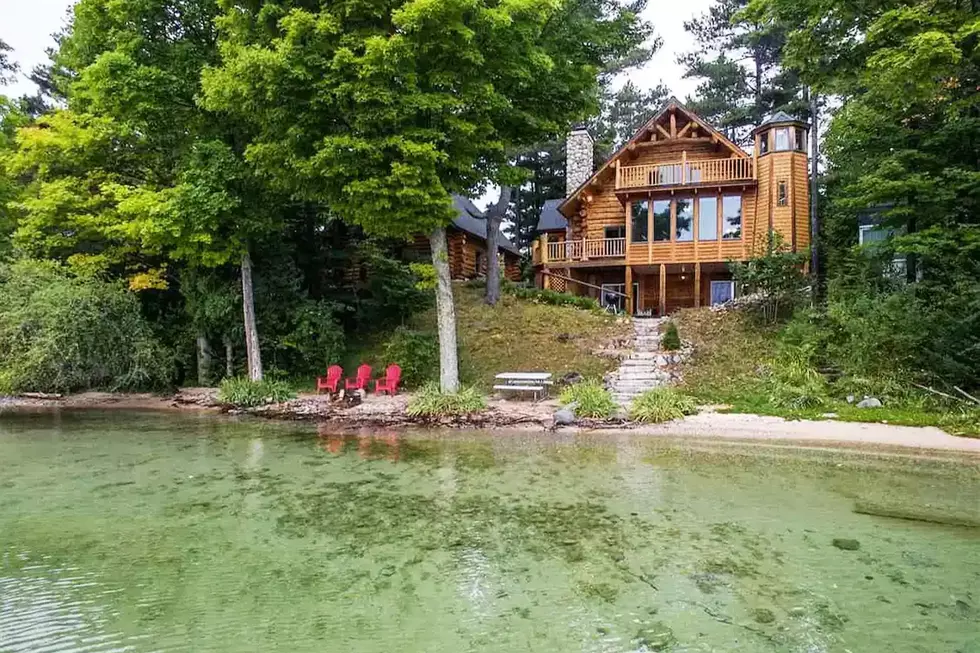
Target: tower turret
<point>781,159</point>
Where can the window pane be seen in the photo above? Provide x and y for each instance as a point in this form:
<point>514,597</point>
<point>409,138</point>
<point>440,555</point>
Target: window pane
<point>782,139</point>
<point>640,214</point>
<point>782,197</point>
<point>661,220</point>
<point>707,218</point>
<point>685,219</point>
<point>800,139</point>
<point>764,143</point>
<point>615,232</point>
<point>731,216</point>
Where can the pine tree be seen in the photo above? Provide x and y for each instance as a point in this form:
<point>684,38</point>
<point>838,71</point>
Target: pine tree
<point>739,62</point>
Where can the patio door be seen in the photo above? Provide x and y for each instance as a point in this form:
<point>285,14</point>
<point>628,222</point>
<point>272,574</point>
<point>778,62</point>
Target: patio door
<point>618,301</point>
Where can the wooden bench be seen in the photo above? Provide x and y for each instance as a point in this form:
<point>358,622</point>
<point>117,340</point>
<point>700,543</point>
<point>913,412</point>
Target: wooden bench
<point>536,382</point>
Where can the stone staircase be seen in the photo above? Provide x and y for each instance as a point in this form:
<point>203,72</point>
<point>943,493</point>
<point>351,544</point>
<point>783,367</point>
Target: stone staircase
<point>644,368</point>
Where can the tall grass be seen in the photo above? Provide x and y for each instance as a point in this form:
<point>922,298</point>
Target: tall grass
<point>661,405</point>
<point>245,393</point>
<point>591,398</point>
<point>430,401</point>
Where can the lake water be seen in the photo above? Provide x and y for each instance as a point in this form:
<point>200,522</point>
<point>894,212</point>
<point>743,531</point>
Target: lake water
<point>150,532</point>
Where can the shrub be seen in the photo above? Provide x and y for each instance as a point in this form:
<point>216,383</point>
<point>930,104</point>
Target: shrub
<point>60,333</point>
<point>671,340</point>
<point>777,276</point>
<point>540,296</point>
<point>794,383</point>
<point>661,405</point>
<point>430,401</point>
<point>591,398</point>
<point>245,393</point>
<point>416,352</point>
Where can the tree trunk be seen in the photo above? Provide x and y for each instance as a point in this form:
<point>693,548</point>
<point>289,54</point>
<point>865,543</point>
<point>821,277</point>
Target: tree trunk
<point>494,216</point>
<point>814,214</point>
<point>251,332</point>
<point>445,313</point>
<point>229,358</point>
<point>203,360</point>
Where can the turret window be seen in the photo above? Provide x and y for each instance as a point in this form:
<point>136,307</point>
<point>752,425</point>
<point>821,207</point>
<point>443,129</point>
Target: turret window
<point>764,143</point>
<point>781,138</point>
<point>782,197</point>
<point>800,139</point>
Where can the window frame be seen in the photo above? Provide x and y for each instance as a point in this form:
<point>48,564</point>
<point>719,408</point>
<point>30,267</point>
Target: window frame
<point>635,218</point>
<point>713,221</point>
<point>775,139</point>
<point>782,193</point>
<point>669,231</point>
<point>675,233</point>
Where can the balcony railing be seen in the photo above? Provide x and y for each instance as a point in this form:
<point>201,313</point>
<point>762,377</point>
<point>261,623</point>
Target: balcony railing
<point>684,173</point>
<point>586,248</point>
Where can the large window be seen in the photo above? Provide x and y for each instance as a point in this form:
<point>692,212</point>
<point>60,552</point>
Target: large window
<point>800,139</point>
<point>685,219</point>
<point>661,220</point>
<point>640,213</point>
<point>781,137</point>
<point>707,218</point>
<point>731,217</point>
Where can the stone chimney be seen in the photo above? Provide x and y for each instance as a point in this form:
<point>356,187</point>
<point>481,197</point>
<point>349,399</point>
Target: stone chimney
<point>578,158</point>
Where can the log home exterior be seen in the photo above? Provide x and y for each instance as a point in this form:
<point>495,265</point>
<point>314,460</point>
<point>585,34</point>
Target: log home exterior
<point>656,225</point>
<point>466,244</point>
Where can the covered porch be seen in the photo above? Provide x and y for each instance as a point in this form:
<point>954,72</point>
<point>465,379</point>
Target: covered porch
<point>654,290</point>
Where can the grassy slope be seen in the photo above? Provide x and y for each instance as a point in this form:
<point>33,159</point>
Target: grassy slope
<point>730,349</point>
<point>515,335</point>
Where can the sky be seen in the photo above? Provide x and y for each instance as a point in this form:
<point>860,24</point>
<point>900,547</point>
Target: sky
<point>27,26</point>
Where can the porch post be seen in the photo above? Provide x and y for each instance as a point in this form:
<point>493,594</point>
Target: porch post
<point>697,285</point>
<point>663,290</point>
<point>629,290</point>
<point>544,248</point>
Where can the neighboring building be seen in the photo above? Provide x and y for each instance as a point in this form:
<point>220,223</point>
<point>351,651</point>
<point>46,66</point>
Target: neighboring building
<point>872,234</point>
<point>467,244</point>
<point>653,229</point>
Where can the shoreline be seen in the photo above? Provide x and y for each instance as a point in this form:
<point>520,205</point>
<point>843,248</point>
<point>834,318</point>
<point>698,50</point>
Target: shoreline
<point>501,415</point>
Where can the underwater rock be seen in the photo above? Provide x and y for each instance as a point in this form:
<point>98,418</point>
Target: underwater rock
<point>656,637</point>
<point>763,615</point>
<point>846,544</point>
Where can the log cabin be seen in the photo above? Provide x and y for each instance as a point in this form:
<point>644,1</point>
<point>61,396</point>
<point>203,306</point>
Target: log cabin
<point>654,228</point>
<point>466,242</point>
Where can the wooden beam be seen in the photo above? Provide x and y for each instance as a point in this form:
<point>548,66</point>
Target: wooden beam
<point>666,134</point>
<point>663,289</point>
<point>629,290</point>
<point>673,124</point>
<point>697,285</point>
<point>649,229</point>
<point>684,129</point>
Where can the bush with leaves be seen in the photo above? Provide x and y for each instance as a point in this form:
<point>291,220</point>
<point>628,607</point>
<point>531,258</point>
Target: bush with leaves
<point>591,399</point>
<point>671,340</point>
<point>540,296</point>
<point>245,393</point>
<point>661,405</point>
<point>416,352</point>
<point>777,276</point>
<point>431,402</point>
<point>61,333</point>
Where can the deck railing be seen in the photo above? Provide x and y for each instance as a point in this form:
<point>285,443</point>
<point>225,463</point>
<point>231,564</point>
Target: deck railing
<point>586,248</point>
<point>682,173</point>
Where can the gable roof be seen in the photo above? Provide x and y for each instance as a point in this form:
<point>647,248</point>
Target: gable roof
<point>473,221</point>
<point>779,116</point>
<point>673,104</point>
<point>550,219</point>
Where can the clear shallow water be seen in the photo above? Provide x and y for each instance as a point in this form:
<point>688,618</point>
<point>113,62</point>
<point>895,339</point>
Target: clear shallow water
<point>143,532</point>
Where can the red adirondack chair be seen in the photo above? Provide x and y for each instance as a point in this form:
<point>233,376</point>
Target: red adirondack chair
<point>331,380</point>
<point>360,382</point>
<point>389,384</point>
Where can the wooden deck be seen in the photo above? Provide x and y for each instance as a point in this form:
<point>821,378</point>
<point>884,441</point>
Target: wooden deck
<point>686,173</point>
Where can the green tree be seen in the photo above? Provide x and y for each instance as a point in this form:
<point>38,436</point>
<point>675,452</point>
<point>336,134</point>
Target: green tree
<point>380,110</point>
<point>141,173</point>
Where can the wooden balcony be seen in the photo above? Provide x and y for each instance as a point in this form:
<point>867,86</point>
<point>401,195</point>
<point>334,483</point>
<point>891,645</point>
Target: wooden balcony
<point>585,249</point>
<point>704,172</point>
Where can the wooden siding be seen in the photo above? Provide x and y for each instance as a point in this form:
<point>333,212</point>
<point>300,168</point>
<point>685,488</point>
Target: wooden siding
<point>463,249</point>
